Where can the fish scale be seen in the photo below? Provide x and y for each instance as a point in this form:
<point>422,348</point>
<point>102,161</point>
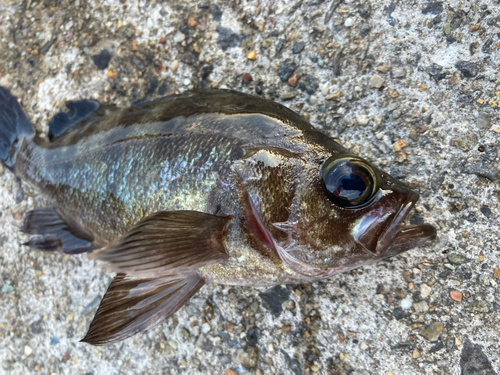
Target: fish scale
<point>88,182</point>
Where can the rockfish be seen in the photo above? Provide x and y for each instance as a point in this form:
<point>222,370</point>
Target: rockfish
<point>205,186</point>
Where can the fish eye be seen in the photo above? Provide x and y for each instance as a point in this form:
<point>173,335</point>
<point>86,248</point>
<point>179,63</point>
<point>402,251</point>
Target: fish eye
<point>348,181</point>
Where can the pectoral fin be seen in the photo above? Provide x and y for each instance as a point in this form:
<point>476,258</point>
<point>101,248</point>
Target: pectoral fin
<point>157,260</point>
<point>133,304</point>
<point>168,242</point>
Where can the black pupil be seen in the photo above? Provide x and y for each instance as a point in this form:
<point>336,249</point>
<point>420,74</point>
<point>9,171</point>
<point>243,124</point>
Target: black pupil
<point>349,186</point>
<point>348,182</point>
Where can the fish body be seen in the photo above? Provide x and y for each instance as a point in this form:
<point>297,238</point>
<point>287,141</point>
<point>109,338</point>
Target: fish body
<point>206,186</point>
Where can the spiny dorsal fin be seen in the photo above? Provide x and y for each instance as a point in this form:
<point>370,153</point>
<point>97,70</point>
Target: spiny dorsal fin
<point>168,242</point>
<point>80,110</point>
<point>81,113</point>
<point>51,233</point>
<point>134,304</point>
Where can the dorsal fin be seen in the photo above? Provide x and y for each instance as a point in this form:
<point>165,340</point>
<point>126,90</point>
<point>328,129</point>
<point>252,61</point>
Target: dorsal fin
<point>80,110</point>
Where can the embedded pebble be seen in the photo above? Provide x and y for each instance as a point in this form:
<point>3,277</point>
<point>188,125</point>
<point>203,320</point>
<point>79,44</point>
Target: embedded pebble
<point>496,273</point>
<point>399,145</point>
<point>289,94</point>
<point>468,69</point>
<point>425,290</point>
<point>174,65</point>
<point>7,288</point>
<point>421,306</point>
<point>363,120</point>
<point>456,295</point>
<point>298,47</point>
<point>431,332</point>
<point>246,78</point>
<point>252,55</point>
<point>376,81</point>
<point>406,304</point>
<point>27,351</point>
<point>415,354</point>
<point>455,258</point>
<point>205,328</point>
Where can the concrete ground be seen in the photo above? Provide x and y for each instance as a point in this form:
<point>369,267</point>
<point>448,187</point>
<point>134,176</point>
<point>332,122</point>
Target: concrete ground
<point>412,86</point>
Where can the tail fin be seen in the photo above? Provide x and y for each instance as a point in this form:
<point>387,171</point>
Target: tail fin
<point>14,128</point>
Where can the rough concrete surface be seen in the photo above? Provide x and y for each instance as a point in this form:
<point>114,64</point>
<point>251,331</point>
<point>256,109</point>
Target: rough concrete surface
<point>412,86</point>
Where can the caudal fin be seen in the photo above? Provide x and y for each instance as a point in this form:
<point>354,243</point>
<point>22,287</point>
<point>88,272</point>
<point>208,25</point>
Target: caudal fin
<point>14,128</point>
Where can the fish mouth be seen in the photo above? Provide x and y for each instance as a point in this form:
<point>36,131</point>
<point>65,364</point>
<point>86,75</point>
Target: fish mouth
<point>397,237</point>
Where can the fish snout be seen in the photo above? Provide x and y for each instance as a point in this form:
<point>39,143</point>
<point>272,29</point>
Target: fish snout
<point>381,232</point>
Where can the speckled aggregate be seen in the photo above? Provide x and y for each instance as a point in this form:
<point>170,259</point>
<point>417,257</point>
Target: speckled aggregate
<point>352,322</point>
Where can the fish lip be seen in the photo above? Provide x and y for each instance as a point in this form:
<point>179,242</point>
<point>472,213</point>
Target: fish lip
<point>396,237</point>
<point>410,236</point>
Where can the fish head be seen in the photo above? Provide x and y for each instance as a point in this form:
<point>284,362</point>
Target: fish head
<point>347,213</point>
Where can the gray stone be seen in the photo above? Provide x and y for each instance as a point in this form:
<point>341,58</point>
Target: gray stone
<point>289,94</point>
<point>432,331</point>
<point>421,306</point>
<point>455,258</point>
<point>308,84</point>
<point>432,7</point>
<point>376,81</point>
<point>286,70</point>
<point>228,38</point>
<point>363,120</point>
<point>92,305</point>
<point>102,59</point>
<point>293,365</point>
<point>483,168</point>
<point>249,357</point>
<point>192,310</point>
<point>398,72</point>
<point>468,69</point>
<point>204,343</point>
<point>473,361</point>
<point>298,47</point>
<point>483,120</point>
<point>476,307</point>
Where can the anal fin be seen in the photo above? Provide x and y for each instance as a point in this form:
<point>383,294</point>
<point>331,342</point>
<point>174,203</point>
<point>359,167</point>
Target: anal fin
<point>133,304</point>
<point>51,233</point>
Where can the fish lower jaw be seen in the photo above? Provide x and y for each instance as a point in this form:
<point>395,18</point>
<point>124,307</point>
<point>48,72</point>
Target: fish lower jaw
<point>410,236</point>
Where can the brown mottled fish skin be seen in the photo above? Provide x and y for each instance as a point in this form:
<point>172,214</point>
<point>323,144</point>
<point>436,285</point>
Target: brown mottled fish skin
<point>181,153</point>
<point>221,153</point>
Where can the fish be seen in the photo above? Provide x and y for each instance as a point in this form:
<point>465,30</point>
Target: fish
<point>206,186</point>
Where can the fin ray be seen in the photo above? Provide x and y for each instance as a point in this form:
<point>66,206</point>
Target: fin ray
<point>15,127</point>
<point>51,233</point>
<point>166,241</point>
<point>134,304</point>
